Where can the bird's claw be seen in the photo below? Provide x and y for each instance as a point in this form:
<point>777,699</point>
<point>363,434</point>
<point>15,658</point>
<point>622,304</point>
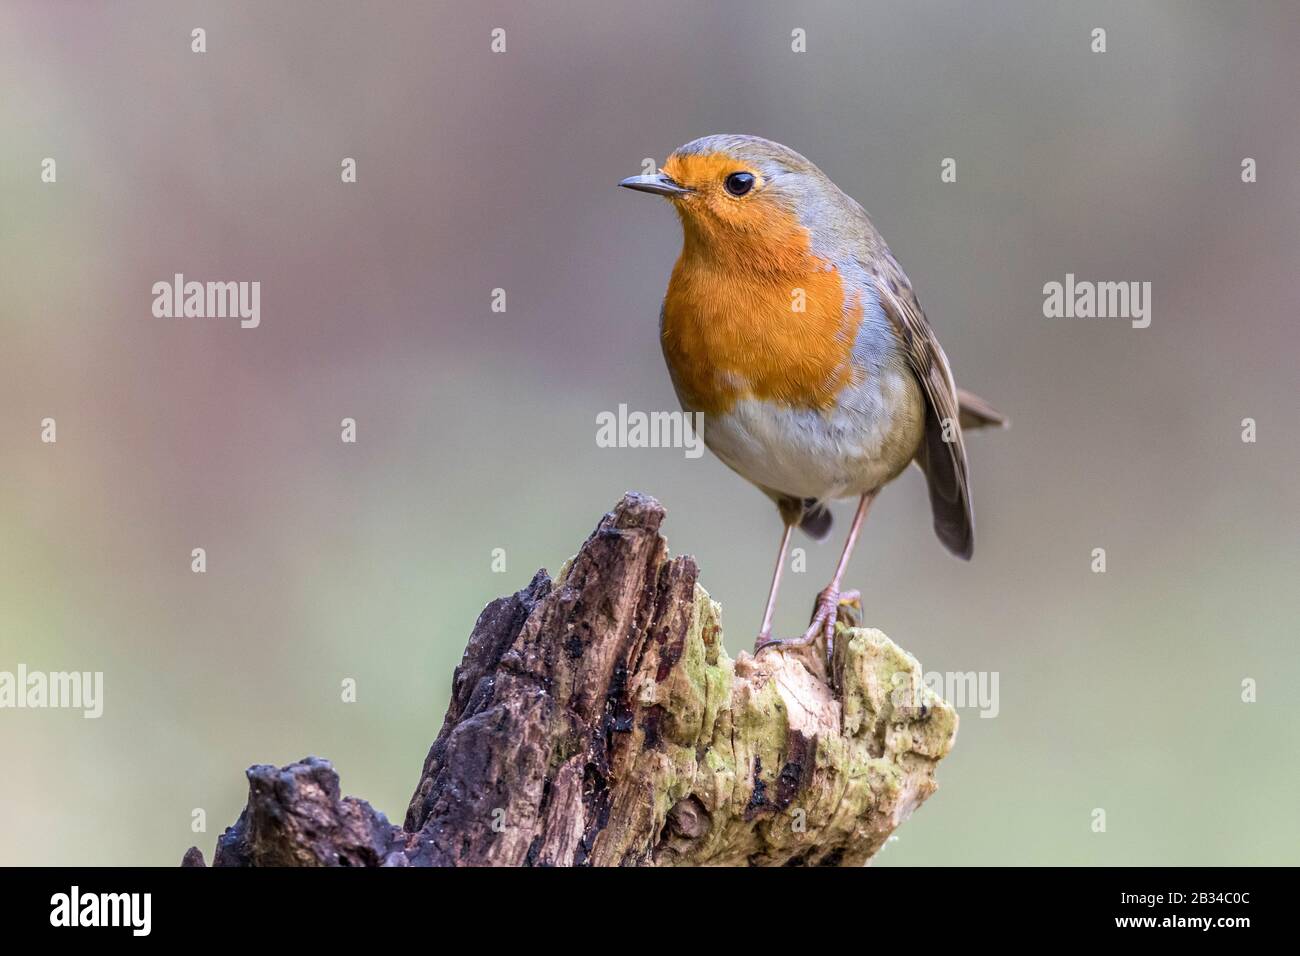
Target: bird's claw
<point>825,614</point>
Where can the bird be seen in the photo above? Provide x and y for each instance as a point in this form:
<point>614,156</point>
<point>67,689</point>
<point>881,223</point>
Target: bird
<point>790,326</point>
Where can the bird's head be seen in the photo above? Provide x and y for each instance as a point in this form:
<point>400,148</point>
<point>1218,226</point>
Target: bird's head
<point>745,200</point>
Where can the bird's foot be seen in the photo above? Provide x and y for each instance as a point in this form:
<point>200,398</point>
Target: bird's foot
<point>825,613</point>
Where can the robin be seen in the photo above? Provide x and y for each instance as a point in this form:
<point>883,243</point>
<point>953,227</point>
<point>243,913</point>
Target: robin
<point>793,329</point>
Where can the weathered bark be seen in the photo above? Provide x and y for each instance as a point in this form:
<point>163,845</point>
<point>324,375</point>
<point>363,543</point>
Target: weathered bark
<point>598,720</point>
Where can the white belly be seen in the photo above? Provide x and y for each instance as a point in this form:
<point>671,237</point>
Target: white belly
<point>866,441</point>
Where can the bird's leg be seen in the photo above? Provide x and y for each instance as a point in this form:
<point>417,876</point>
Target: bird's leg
<point>765,632</point>
<point>830,598</point>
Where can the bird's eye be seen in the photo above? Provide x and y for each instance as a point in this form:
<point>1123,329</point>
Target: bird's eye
<point>739,183</point>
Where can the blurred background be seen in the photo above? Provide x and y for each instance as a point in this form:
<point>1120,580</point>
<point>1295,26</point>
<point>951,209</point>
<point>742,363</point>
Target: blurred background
<point>476,430</point>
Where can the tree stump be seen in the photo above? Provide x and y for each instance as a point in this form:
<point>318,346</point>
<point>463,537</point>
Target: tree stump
<point>597,720</point>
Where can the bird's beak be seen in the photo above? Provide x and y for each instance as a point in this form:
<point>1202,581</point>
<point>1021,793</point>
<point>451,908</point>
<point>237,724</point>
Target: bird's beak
<point>660,184</point>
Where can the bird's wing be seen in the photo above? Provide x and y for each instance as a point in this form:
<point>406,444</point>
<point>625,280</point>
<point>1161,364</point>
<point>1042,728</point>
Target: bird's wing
<point>942,455</point>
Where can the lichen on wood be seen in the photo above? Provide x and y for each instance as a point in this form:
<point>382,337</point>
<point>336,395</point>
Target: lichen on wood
<point>598,720</point>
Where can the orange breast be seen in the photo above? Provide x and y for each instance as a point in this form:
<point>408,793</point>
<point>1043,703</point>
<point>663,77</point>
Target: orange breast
<point>730,334</point>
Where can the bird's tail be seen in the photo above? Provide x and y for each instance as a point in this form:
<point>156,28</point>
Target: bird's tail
<point>974,412</point>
